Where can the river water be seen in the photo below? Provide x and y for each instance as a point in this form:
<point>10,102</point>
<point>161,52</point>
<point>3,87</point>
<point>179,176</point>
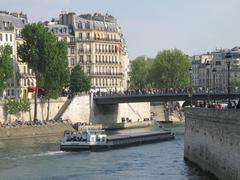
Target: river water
<point>41,159</point>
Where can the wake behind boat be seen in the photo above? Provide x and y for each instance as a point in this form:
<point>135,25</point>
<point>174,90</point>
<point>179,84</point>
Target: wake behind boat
<point>97,140</point>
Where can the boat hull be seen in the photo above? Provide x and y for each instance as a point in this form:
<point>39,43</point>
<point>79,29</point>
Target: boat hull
<point>120,142</point>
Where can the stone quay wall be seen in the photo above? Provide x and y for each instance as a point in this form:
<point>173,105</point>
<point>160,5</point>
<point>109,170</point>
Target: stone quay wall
<point>35,131</point>
<point>212,141</point>
<point>55,106</point>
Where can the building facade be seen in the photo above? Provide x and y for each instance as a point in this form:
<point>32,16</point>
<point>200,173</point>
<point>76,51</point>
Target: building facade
<point>99,48</point>
<point>11,25</point>
<point>210,71</point>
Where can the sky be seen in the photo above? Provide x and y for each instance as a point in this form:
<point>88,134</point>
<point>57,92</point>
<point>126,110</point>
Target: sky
<point>150,26</point>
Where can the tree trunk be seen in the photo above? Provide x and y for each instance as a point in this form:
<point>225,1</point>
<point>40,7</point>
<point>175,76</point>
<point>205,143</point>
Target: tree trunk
<point>35,105</point>
<point>30,116</point>
<point>48,107</point>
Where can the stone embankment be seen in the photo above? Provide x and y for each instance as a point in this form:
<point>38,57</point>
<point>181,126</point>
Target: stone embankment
<point>212,139</point>
<point>34,131</point>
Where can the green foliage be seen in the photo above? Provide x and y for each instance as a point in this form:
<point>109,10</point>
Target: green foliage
<point>47,57</point>
<point>57,74</point>
<point>6,67</point>
<point>13,106</point>
<point>171,69</point>
<point>37,46</point>
<point>79,81</point>
<point>25,105</point>
<point>140,75</point>
<point>235,83</point>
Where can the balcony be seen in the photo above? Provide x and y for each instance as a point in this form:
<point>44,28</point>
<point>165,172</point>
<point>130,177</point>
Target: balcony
<point>106,74</point>
<point>85,39</point>
<point>107,40</point>
<point>71,42</point>
<point>106,62</point>
<point>26,75</point>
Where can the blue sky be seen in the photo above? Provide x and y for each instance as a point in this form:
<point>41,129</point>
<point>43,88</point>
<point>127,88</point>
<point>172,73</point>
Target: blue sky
<point>150,26</point>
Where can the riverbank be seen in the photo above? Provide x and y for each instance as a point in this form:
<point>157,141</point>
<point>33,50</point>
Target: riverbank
<point>34,131</point>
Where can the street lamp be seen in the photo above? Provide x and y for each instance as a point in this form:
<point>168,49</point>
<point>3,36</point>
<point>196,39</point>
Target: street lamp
<point>207,64</point>
<point>191,91</point>
<point>214,80</point>
<point>228,57</point>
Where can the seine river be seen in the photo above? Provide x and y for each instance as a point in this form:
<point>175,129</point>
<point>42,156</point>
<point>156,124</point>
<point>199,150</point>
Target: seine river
<point>40,158</point>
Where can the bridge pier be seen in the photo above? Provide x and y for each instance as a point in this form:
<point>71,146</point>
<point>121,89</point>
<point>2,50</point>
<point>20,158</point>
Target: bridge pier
<point>121,113</point>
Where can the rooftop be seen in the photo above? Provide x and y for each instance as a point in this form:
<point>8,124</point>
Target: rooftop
<point>9,21</point>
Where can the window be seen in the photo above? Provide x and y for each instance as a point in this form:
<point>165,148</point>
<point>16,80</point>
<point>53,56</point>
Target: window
<point>72,61</point>
<point>80,35</point>
<point>10,37</point>
<point>81,59</point>
<point>0,37</point>
<point>12,92</point>
<point>81,48</point>
<point>89,69</point>
<point>72,50</point>
<point>72,39</point>
<point>80,25</point>
<point>89,58</point>
<point>88,36</point>
<point>6,37</point>
<point>87,25</point>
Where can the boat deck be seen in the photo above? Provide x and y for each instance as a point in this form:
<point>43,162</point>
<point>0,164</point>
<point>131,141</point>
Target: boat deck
<point>134,135</point>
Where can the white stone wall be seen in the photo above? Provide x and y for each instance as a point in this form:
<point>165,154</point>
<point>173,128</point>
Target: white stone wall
<point>212,139</point>
<point>55,105</point>
<point>78,110</point>
<point>133,111</point>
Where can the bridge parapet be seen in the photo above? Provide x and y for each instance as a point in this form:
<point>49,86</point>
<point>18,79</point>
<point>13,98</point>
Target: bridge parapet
<point>115,99</point>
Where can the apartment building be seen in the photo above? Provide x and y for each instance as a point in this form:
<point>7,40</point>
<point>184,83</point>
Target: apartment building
<point>64,32</point>
<point>11,25</point>
<point>100,48</point>
<point>210,71</point>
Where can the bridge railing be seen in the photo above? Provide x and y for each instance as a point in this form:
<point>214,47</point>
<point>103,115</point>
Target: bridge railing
<point>167,91</point>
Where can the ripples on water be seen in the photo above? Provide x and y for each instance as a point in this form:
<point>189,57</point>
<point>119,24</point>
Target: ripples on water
<point>41,159</point>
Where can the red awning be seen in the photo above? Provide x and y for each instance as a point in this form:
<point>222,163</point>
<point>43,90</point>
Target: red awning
<point>33,89</point>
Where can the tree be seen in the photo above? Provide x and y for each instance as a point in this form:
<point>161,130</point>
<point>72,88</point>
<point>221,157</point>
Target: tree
<point>140,75</point>
<point>235,84</point>
<point>25,106</point>
<point>170,69</point>
<point>36,50</point>
<point>57,73</point>
<point>79,82</point>
<point>6,67</point>
<point>13,106</point>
